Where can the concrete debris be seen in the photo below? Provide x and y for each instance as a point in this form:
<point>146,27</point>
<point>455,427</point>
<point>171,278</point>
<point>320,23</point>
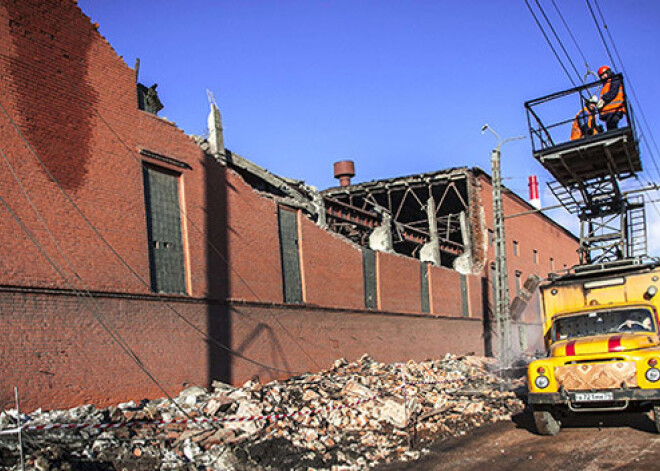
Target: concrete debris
<point>463,396</point>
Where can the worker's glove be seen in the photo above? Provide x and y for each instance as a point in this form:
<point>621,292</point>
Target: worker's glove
<point>600,104</point>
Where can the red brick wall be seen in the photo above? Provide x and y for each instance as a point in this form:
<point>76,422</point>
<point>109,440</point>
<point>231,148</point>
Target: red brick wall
<point>331,269</point>
<point>66,358</point>
<point>254,244</point>
<point>74,101</point>
<point>60,356</point>
<point>445,292</point>
<point>531,232</point>
<point>399,283</point>
<point>328,334</point>
<point>476,284</point>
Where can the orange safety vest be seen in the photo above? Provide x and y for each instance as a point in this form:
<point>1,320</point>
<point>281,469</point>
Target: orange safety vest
<point>576,132</point>
<point>617,104</point>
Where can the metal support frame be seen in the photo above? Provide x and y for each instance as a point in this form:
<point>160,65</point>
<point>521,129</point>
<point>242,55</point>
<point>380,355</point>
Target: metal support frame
<point>612,225</point>
<point>356,211</point>
<point>541,131</point>
<point>588,173</point>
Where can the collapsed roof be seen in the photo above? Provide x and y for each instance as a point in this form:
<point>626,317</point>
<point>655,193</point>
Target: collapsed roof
<point>436,217</point>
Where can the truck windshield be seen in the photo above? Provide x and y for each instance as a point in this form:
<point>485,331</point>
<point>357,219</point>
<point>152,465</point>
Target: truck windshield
<point>603,322</point>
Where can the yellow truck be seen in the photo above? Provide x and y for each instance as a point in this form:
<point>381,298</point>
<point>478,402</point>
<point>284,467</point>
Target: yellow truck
<point>601,335</point>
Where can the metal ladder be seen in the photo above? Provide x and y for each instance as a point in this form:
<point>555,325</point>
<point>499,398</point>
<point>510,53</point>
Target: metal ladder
<point>565,197</point>
<point>637,244</point>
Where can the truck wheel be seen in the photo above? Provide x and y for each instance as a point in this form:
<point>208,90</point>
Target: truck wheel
<point>656,418</point>
<point>547,424</point>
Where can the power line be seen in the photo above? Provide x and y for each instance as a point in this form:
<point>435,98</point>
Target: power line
<point>561,63</point>
<point>561,44</point>
<point>600,33</point>
<point>650,183</point>
<point>577,45</point>
<point>600,13</point>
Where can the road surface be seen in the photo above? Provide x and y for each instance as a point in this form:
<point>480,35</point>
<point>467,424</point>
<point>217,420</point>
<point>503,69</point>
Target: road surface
<point>596,442</point>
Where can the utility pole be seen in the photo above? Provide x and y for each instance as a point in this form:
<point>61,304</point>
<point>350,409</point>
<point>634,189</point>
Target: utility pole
<point>501,301</point>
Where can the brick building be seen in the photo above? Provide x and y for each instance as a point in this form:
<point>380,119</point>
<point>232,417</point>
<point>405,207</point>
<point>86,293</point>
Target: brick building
<point>126,245</point>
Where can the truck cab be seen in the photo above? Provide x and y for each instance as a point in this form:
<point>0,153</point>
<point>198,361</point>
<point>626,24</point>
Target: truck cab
<point>602,341</point>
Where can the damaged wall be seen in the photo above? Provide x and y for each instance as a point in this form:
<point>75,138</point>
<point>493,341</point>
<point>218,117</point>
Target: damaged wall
<point>331,269</point>
<point>74,101</point>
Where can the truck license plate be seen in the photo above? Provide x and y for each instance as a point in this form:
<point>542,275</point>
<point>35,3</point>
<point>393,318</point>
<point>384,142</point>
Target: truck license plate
<point>594,397</point>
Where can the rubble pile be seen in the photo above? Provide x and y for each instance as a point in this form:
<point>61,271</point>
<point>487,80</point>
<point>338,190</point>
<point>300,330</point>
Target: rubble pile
<point>352,416</point>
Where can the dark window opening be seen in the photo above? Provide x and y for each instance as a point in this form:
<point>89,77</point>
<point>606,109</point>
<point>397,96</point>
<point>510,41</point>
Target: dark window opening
<point>369,271</point>
<point>424,275</point>
<point>166,259</point>
<point>291,278</point>
<point>148,99</point>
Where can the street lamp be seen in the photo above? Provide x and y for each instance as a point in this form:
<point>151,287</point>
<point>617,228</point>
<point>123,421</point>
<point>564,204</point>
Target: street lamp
<point>501,301</point>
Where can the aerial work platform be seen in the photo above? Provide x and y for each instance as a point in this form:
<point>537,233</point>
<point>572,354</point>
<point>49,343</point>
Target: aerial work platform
<point>612,153</point>
<point>588,162</point>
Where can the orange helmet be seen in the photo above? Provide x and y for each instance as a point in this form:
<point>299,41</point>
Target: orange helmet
<point>603,69</point>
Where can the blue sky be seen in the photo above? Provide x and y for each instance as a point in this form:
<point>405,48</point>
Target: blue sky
<point>400,87</point>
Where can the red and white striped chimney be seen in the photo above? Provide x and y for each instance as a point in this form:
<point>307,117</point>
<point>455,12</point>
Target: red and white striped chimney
<point>534,198</point>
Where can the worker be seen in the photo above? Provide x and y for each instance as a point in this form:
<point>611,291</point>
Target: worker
<point>585,124</point>
<point>611,105</point>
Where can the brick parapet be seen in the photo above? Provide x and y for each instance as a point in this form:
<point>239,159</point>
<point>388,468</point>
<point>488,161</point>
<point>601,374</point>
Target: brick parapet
<point>66,358</point>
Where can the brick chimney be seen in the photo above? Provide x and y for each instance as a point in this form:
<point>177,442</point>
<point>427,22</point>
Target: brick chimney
<point>344,171</point>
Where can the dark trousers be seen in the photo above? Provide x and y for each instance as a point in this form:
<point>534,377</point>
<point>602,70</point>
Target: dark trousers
<point>612,119</point>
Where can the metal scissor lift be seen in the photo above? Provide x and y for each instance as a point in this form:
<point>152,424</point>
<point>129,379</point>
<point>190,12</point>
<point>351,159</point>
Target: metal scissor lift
<point>588,174</point>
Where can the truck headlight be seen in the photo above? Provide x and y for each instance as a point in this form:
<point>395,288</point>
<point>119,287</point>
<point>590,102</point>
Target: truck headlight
<point>653,374</point>
<point>543,381</point>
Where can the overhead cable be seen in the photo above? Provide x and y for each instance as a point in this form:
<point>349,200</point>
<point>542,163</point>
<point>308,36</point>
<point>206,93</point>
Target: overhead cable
<point>561,63</point>
<point>561,44</point>
<point>570,33</point>
<point>600,33</point>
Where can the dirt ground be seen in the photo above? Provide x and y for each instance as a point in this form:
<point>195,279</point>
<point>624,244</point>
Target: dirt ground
<point>595,442</point>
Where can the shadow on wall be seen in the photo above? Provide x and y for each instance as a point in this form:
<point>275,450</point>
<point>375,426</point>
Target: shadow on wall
<point>68,118</point>
<point>274,353</point>
<point>218,268</point>
<point>255,333</point>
